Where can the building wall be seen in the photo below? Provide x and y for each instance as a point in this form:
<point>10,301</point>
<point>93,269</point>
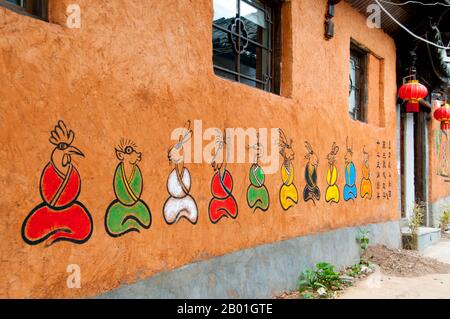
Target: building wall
<point>139,69</point>
<point>439,171</point>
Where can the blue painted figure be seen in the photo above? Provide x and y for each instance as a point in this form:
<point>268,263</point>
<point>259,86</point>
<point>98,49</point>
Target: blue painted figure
<point>350,191</point>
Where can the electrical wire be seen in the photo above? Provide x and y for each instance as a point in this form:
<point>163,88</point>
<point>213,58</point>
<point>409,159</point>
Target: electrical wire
<point>416,2</point>
<point>410,32</point>
<point>442,15</point>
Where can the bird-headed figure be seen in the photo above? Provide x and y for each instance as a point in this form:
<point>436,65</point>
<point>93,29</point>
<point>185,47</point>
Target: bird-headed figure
<point>60,217</point>
<point>128,212</point>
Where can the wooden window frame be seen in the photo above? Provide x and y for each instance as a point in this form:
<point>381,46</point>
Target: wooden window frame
<point>273,82</point>
<point>23,11</point>
<point>361,55</point>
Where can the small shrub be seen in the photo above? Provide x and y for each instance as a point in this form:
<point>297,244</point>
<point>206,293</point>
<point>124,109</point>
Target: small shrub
<point>363,238</point>
<point>308,280</point>
<point>416,220</point>
<point>327,276</point>
<point>445,219</point>
<point>323,278</point>
<point>355,270</point>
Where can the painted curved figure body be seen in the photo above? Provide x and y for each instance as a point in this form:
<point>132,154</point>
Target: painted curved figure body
<point>223,203</point>
<point>311,190</point>
<point>60,217</point>
<point>288,191</point>
<point>127,212</point>
<point>257,194</point>
<point>350,191</point>
<point>180,204</point>
<point>332,194</point>
<point>366,183</point>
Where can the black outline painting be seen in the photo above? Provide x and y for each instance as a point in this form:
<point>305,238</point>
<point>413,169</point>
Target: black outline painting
<point>127,213</point>
<point>350,191</point>
<point>60,217</point>
<point>365,189</point>
<point>180,203</point>
<point>257,194</point>
<point>332,193</point>
<point>223,204</point>
<point>288,192</point>
<point>311,190</point>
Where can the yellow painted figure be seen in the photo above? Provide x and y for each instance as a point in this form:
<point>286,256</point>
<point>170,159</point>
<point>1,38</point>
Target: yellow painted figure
<point>288,191</point>
<point>332,193</point>
<point>366,184</point>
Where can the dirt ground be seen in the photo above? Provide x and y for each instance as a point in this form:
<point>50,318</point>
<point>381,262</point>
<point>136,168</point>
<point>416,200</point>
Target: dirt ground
<point>401,274</point>
<point>405,263</point>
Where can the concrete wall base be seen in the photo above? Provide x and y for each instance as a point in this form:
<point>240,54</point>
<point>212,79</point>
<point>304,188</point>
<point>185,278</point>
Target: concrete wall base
<point>437,208</point>
<point>260,272</point>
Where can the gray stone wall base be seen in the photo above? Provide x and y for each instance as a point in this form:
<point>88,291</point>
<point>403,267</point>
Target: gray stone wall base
<point>437,208</point>
<point>259,272</point>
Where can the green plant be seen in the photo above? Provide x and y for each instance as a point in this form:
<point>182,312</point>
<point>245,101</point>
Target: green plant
<point>416,220</point>
<point>363,238</point>
<point>445,219</point>
<point>323,276</point>
<point>327,276</point>
<point>355,270</point>
<point>308,280</point>
<point>308,295</point>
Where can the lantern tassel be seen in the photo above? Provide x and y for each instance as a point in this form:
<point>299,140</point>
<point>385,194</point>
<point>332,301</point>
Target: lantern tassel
<point>412,107</point>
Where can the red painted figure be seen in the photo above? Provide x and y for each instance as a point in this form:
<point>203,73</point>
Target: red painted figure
<point>223,203</point>
<point>60,217</point>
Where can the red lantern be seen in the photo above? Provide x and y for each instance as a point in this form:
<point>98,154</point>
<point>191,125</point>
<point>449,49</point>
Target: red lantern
<point>442,114</point>
<point>412,92</point>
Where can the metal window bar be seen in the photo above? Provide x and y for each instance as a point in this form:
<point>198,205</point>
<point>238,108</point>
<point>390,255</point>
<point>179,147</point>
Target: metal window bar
<point>357,60</point>
<point>268,79</point>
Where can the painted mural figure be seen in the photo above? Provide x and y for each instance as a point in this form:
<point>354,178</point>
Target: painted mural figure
<point>257,194</point>
<point>442,146</point>
<point>288,191</point>
<point>366,183</point>
<point>311,190</point>
<point>332,194</point>
<point>180,204</point>
<point>127,212</point>
<point>60,217</point>
<point>350,191</point>
<point>223,203</point>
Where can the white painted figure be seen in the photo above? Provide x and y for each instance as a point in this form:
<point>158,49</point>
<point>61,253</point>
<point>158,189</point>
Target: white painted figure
<point>180,204</point>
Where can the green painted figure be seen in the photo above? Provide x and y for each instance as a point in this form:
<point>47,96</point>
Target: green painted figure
<point>127,212</point>
<point>257,194</point>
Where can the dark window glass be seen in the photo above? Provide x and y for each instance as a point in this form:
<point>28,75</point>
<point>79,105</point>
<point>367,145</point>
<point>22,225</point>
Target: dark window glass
<point>243,41</point>
<point>38,8</point>
<point>358,84</point>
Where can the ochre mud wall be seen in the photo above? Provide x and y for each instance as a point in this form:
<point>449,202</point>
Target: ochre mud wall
<point>139,69</point>
<point>439,155</point>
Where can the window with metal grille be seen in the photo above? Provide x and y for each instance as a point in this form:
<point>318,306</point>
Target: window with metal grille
<point>357,95</point>
<point>243,42</point>
<point>35,8</point>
